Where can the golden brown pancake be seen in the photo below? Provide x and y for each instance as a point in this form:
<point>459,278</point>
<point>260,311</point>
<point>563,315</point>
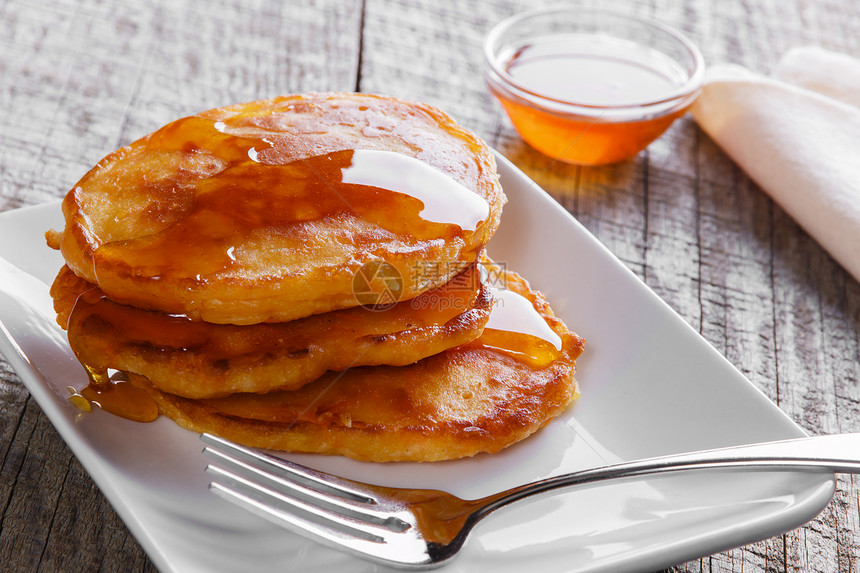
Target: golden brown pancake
<point>479,397</point>
<point>200,360</point>
<point>265,211</point>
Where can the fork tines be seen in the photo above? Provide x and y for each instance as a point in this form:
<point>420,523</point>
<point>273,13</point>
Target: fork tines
<point>306,501</point>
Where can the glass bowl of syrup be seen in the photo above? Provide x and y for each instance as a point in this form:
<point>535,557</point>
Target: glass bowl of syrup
<point>591,87</point>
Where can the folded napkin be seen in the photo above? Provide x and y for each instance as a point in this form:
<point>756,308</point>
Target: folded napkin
<point>797,134</point>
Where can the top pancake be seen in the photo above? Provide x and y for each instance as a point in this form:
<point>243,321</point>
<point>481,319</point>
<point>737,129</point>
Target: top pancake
<point>244,214</point>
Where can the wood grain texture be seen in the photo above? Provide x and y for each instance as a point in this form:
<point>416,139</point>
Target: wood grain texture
<point>79,78</point>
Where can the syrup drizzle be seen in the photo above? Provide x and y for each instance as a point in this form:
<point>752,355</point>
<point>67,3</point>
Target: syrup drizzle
<point>115,396</point>
<point>403,174</point>
<point>118,397</point>
<point>122,399</point>
<point>252,187</point>
<point>517,329</point>
<point>126,326</point>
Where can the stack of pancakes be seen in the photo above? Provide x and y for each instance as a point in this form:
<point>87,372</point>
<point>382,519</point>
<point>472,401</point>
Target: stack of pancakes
<point>308,274</point>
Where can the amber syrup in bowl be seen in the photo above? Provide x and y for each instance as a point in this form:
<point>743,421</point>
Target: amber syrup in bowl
<point>590,87</point>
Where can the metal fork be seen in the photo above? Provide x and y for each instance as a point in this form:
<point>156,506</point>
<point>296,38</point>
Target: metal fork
<point>422,529</point>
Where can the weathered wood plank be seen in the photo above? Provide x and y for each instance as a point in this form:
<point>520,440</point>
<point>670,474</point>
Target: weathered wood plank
<point>80,78</point>
<point>36,464</point>
<point>83,519</point>
<point>789,358</point>
<point>682,216</point>
<point>77,80</point>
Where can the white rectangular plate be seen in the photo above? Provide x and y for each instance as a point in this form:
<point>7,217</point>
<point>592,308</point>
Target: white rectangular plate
<point>650,385</point>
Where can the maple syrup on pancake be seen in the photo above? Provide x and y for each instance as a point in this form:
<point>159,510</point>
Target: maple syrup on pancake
<point>115,396</point>
<point>517,329</point>
<point>127,326</point>
<point>594,73</point>
<point>251,186</point>
<point>118,397</point>
<point>122,399</point>
<point>258,190</point>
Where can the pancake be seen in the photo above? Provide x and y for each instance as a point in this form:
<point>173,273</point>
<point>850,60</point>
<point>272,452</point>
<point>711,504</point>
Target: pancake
<point>265,211</point>
<point>479,397</point>
<point>201,360</point>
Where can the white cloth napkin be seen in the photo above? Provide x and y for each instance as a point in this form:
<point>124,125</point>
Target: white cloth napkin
<point>797,134</point>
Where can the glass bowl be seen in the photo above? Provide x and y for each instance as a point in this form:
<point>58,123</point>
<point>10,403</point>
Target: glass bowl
<point>590,86</point>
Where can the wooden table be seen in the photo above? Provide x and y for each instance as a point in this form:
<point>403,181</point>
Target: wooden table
<point>79,78</point>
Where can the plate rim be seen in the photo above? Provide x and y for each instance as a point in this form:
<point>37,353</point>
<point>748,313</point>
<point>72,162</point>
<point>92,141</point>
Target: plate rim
<point>100,470</point>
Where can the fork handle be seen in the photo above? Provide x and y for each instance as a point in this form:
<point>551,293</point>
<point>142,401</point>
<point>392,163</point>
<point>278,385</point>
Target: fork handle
<point>839,453</point>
